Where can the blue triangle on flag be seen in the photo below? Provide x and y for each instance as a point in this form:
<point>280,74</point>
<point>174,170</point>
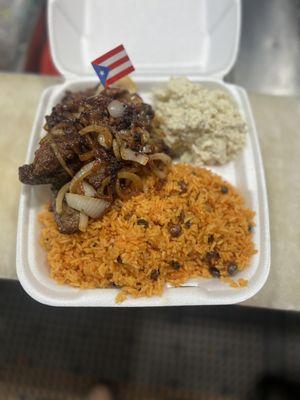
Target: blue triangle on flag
<point>102,73</point>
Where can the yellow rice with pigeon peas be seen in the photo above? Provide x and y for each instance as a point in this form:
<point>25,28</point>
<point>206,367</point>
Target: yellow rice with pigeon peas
<point>194,224</point>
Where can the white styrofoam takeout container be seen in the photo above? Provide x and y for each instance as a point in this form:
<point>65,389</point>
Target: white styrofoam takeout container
<point>196,38</point>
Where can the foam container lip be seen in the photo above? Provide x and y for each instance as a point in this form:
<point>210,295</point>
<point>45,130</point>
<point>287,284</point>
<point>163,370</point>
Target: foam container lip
<point>206,64</point>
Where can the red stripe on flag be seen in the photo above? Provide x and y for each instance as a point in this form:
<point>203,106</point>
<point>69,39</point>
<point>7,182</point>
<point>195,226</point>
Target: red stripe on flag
<point>108,54</point>
<point>118,62</point>
<point>119,75</point>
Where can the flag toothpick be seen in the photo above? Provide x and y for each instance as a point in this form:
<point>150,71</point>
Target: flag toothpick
<point>113,65</point>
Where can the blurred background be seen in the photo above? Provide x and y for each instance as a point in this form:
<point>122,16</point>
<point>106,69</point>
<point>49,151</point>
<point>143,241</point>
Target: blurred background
<point>268,59</point>
<point>234,352</point>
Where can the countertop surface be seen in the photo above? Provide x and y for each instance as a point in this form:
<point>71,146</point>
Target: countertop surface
<point>278,121</point>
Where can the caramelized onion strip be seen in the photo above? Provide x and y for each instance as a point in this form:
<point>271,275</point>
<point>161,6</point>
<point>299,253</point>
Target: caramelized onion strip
<point>60,159</point>
<point>86,156</point>
<point>85,171</point>
<point>60,198</point>
<point>83,222</point>
<point>130,155</point>
<point>160,164</point>
<point>135,187</point>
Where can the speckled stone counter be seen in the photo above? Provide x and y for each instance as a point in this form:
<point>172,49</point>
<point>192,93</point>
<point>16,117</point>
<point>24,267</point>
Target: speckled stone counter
<point>278,123</point>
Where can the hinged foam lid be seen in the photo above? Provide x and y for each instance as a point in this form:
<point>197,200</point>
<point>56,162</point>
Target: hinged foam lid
<point>162,37</point>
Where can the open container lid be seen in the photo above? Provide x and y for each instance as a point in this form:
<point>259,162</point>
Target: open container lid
<point>191,37</point>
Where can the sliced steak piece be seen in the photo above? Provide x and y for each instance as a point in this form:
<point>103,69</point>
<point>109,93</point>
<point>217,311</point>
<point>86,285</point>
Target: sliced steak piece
<point>68,220</point>
<point>29,177</point>
<point>59,154</point>
<point>46,168</point>
<point>76,111</point>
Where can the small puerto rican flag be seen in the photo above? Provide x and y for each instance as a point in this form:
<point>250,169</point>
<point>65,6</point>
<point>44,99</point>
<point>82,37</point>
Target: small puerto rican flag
<point>112,66</point>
